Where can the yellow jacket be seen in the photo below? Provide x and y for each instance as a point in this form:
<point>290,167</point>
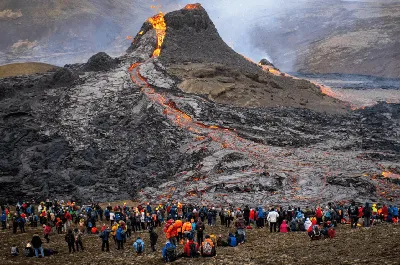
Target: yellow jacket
<point>114,229</point>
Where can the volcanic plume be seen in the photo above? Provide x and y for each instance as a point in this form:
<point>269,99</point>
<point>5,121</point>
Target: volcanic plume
<point>182,116</point>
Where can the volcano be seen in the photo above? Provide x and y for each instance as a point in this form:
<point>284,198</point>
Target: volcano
<point>182,116</point>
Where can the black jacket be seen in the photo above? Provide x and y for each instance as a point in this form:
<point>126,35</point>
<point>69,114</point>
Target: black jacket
<point>153,237</point>
<point>36,241</point>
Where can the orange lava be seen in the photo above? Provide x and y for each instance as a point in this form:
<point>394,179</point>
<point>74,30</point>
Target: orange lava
<point>159,25</point>
<point>192,6</point>
<point>388,174</point>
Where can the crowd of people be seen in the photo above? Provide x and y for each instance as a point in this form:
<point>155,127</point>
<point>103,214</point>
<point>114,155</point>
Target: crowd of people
<point>182,224</point>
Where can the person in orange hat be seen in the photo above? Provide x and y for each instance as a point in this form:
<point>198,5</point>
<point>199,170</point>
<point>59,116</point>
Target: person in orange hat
<point>59,225</point>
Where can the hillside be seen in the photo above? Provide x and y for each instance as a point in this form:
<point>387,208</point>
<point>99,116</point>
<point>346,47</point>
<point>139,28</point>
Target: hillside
<point>350,37</point>
<point>24,69</point>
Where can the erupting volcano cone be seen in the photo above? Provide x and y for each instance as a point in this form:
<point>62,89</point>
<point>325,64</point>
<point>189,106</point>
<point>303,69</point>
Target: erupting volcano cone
<point>189,45</point>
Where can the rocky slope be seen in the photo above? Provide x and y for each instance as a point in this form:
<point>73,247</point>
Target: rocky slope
<point>350,37</point>
<point>121,128</point>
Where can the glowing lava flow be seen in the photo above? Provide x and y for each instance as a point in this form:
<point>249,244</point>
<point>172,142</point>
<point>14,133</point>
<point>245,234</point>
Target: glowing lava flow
<point>159,25</point>
<point>192,6</point>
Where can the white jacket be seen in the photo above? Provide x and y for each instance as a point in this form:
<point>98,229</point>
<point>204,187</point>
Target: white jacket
<point>307,224</point>
<point>273,216</point>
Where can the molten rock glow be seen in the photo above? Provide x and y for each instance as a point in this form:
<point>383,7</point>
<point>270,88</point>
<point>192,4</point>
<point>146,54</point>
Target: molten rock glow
<point>192,6</point>
<point>159,25</point>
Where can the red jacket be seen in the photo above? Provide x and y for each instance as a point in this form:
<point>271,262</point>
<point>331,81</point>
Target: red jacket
<point>252,214</point>
<point>385,210</point>
<point>186,250</point>
<point>47,230</point>
<point>331,233</point>
<point>68,216</point>
<point>318,213</point>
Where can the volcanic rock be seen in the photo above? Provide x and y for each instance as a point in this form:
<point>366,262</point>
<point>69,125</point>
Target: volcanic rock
<point>133,132</point>
<point>100,62</point>
<point>194,52</point>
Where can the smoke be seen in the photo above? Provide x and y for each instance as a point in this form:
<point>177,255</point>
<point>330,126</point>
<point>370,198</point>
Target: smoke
<point>272,29</point>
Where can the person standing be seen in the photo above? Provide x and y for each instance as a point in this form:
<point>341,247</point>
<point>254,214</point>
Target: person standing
<point>200,232</point>
<point>246,215</point>
<point>353,213</point>
<point>4,220</point>
<point>78,239</point>
<point>120,236</point>
<point>367,212</point>
<point>153,239</point>
<point>37,245</point>
<point>105,236</point>
<point>272,218</point>
<point>70,239</point>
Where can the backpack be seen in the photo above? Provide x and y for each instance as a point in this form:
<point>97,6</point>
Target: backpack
<point>193,251</point>
<point>170,254</point>
<point>139,248</point>
<point>316,231</point>
<point>353,210</point>
<point>328,214</point>
<point>232,242</point>
<point>207,249</point>
<point>166,226</point>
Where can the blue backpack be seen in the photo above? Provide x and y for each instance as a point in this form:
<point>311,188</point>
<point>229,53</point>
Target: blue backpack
<point>232,242</point>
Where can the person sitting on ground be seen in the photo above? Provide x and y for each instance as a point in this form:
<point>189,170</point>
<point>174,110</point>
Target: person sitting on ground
<point>29,252</point>
<point>37,245</point>
<point>293,225</point>
<point>169,252</point>
<point>221,242</point>
<point>191,248</point>
<point>314,231</point>
<point>232,242</point>
<point>284,227</point>
<point>14,251</point>
<point>307,224</point>
<point>331,232</point>
<point>208,247</point>
<point>138,246</point>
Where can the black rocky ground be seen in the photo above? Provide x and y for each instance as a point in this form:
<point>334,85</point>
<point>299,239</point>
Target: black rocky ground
<point>97,135</point>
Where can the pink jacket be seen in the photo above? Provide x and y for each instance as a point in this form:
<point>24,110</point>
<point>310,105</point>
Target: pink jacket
<point>284,227</point>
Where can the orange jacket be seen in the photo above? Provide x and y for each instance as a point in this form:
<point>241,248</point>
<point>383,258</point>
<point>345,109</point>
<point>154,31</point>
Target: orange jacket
<point>187,227</point>
<point>209,241</point>
<point>178,226</point>
<point>171,232</point>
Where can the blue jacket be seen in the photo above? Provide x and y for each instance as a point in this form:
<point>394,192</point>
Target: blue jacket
<point>139,241</point>
<point>395,211</point>
<point>106,234</point>
<point>260,213</point>
<point>232,241</point>
<point>168,245</point>
<point>120,234</point>
<point>3,217</point>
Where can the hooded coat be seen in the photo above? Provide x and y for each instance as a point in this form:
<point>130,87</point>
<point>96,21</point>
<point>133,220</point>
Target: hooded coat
<point>138,241</point>
<point>284,227</point>
<point>307,224</point>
